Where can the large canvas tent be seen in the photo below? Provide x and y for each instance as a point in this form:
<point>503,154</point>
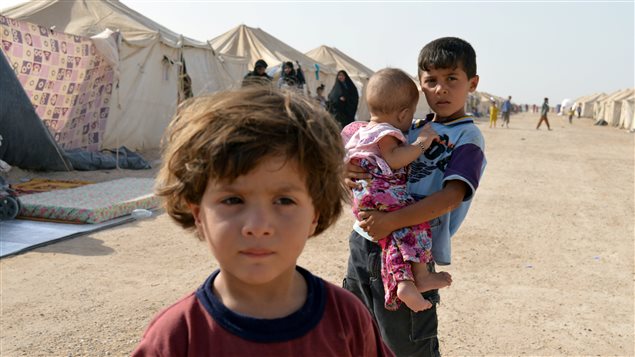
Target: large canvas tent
<point>149,59</point>
<point>358,72</point>
<point>613,108</point>
<point>254,44</point>
<point>26,142</point>
<point>587,103</point>
<point>627,114</point>
<point>609,108</point>
<point>480,101</point>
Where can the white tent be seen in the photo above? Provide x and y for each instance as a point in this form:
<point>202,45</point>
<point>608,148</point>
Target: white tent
<point>480,101</point>
<point>359,73</point>
<point>614,107</point>
<point>587,103</point>
<point>609,108</point>
<point>150,59</point>
<point>627,114</point>
<point>255,44</point>
<point>564,106</point>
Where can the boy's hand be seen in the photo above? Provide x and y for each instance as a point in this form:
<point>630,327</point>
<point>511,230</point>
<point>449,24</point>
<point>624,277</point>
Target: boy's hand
<point>352,172</point>
<point>427,136</point>
<point>375,223</point>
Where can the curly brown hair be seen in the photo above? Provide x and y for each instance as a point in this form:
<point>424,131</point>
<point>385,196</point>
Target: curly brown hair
<point>227,134</point>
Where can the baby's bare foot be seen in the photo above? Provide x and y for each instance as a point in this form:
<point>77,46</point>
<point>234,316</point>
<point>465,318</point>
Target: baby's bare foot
<point>433,281</point>
<point>408,294</point>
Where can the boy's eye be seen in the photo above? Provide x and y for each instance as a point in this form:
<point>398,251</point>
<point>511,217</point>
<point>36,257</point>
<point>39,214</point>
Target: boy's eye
<point>451,78</point>
<point>232,201</point>
<point>285,201</point>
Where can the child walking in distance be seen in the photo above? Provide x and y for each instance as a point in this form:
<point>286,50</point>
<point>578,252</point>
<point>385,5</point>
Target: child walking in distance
<point>255,173</point>
<point>443,180</point>
<point>381,148</point>
<point>493,113</point>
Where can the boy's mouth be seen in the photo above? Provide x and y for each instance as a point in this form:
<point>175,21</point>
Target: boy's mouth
<point>443,102</point>
<point>257,252</point>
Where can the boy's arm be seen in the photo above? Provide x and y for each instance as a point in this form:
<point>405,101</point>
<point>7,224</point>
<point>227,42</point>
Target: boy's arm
<point>381,224</point>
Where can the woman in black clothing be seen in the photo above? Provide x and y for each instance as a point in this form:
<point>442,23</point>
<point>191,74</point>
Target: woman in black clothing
<point>343,99</point>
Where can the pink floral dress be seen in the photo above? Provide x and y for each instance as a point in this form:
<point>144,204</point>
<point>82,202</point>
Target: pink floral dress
<point>386,191</point>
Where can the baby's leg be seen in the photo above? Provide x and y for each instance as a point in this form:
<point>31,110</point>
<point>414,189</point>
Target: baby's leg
<point>408,294</point>
<point>418,255</point>
<point>426,280</point>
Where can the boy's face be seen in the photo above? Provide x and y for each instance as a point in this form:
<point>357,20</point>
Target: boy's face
<point>446,90</point>
<point>257,225</point>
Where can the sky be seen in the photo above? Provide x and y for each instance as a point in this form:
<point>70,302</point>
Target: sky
<point>526,49</point>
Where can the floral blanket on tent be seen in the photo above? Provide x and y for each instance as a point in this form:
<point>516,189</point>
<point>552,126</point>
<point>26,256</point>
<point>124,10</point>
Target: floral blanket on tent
<point>68,82</point>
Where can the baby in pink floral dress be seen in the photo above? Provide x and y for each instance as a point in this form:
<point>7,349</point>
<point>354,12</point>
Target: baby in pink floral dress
<point>382,149</point>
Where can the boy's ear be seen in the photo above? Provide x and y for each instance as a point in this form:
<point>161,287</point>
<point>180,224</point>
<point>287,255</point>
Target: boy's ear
<point>474,83</point>
<point>195,209</point>
<point>314,224</point>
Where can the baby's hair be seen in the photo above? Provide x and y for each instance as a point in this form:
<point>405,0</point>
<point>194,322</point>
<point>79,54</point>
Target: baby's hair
<point>225,135</point>
<point>448,52</point>
<point>390,90</point>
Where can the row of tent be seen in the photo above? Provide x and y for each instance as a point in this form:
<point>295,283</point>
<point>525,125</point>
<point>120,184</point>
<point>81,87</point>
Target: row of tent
<point>145,70</point>
<point>616,109</point>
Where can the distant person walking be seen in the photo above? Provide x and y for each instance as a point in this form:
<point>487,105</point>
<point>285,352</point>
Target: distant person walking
<point>579,109</point>
<point>258,75</point>
<point>506,110</point>
<point>571,112</point>
<point>543,114</point>
<point>343,99</point>
<point>493,113</point>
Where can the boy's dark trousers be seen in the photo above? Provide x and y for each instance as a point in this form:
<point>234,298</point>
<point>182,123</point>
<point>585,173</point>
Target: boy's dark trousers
<point>405,332</point>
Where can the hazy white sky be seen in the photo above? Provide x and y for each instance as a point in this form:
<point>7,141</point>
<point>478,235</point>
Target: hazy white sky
<point>527,49</point>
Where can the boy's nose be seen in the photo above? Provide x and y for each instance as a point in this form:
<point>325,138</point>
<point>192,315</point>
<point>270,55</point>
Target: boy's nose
<point>257,223</point>
<point>441,89</point>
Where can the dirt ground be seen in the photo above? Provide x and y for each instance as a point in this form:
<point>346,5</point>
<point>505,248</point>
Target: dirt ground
<point>542,266</point>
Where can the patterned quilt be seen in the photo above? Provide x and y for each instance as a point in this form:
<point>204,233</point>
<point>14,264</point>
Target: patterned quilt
<point>68,81</point>
<point>92,203</point>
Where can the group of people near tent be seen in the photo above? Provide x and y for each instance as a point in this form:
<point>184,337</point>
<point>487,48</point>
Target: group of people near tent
<point>341,101</point>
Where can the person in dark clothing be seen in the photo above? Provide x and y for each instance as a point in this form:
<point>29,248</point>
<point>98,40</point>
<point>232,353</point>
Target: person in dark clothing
<point>343,99</point>
<point>258,75</point>
<point>290,78</point>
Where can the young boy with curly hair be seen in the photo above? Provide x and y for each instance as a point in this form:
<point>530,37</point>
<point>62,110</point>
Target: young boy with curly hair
<point>255,173</point>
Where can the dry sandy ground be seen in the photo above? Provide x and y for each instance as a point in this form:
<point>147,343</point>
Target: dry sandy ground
<point>543,264</point>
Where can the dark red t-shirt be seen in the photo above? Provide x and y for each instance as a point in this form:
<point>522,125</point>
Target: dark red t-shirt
<point>332,322</point>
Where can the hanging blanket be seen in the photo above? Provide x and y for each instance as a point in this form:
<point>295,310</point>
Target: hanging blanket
<point>68,82</point>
